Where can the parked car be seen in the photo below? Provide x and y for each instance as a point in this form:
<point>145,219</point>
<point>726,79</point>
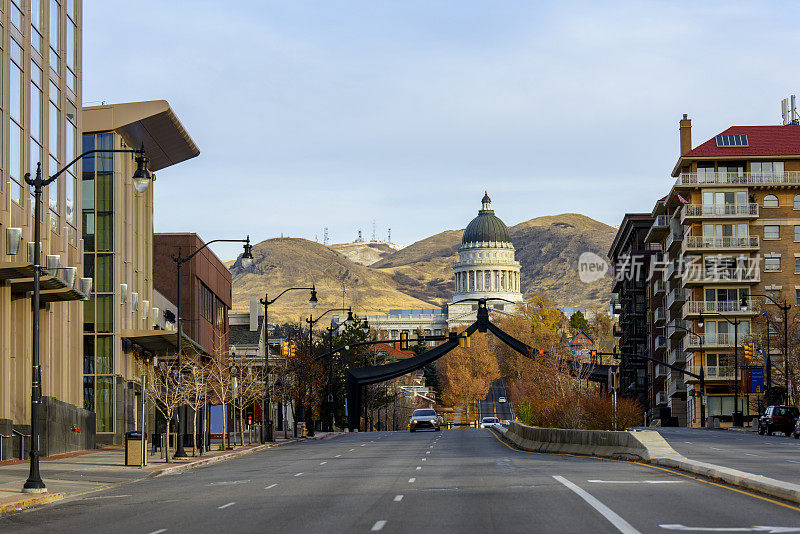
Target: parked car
<point>501,399</point>
<point>424,418</point>
<point>778,419</point>
<point>489,422</point>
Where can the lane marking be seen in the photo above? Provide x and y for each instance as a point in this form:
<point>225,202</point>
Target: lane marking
<point>419,467</point>
<point>750,454</point>
<point>427,452</point>
<point>159,531</point>
<point>636,481</point>
<point>226,505</point>
<point>323,463</point>
<point>105,497</point>
<point>756,528</point>
<point>378,525</point>
<point>298,474</point>
<point>351,450</point>
<point>412,480</point>
<point>620,524</point>
<point>271,486</point>
<point>424,459</point>
<point>793,461</point>
<point>338,456</point>
<point>398,498</point>
<point>229,483</point>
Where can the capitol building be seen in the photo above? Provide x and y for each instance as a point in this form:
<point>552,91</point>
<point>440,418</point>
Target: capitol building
<point>486,268</point>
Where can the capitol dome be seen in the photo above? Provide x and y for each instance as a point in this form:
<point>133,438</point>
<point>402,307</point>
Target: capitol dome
<point>486,227</point>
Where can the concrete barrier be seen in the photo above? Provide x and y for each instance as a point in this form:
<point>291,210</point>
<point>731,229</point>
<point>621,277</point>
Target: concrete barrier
<point>639,445</point>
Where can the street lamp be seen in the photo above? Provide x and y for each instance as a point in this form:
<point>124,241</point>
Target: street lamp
<point>34,483</point>
<point>247,258</point>
<point>784,307</point>
<point>311,322</point>
<point>266,423</point>
<point>737,420</point>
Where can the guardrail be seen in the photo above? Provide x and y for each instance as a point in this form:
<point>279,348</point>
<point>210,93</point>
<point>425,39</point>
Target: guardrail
<point>737,178</point>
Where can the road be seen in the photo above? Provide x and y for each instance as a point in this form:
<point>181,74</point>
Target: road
<point>490,407</point>
<point>772,456</point>
<point>449,481</point>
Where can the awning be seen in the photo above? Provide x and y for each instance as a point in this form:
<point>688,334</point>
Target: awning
<point>151,123</point>
<point>52,288</point>
<point>162,342</point>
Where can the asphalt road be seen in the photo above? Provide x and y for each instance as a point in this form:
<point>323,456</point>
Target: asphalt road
<point>448,481</point>
<point>772,456</point>
<point>490,407</point>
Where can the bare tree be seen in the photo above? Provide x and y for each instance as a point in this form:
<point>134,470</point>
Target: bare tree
<point>218,376</point>
<point>166,387</point>
<point>195,373</point>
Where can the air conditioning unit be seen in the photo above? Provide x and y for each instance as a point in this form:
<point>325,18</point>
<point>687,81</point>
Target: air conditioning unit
<point>661,371</point>
<point>661,398</point>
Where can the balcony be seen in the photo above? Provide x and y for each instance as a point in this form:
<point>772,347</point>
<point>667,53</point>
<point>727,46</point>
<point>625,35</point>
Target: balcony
<point>676,388</point>
<point>660,344</point>
<point>677,356</point>
<point>711,373</point>
<point>661,398</point>
<point>711,179</point>
<point>676,297</point>
<point>697,243</point>
<point>728,307</point>
<point>676,328</point>
<point>674,239</point>
<point>661,371</point>
<point>674,268</point>
<point>659,316</point>
<point>701,212</point>
<point>711,341</point>
<point>658,229</point>
<point>658,287</point>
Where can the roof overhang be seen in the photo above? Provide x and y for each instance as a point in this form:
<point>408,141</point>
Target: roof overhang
<point>162,342</point>
<point>51,288</point>
<point>151,124</point>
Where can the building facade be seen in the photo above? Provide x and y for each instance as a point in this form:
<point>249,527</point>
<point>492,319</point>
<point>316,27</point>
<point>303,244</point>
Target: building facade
<point>40,69</point>
<point>730,233</point>
<point>116,228</point>
<point>631,258</point>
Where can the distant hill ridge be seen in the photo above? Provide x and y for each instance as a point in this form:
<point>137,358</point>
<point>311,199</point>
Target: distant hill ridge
<point>421,274</point>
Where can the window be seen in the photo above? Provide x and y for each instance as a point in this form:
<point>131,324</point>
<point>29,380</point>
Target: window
<point>770,201</point>
<point>766,169</point>
<point>55,35</point>
<point>797,265</point>
<point>773,294</point>
<point>772,231</point>
<point>219,315</point>
<point>797,296</point>
<point>206,303</point>
<point>797,232</point>
<point>772,264</point>
<point>797,202</point>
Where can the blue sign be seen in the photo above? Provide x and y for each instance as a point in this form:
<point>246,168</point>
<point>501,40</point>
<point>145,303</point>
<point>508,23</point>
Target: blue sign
<point>757,380</point>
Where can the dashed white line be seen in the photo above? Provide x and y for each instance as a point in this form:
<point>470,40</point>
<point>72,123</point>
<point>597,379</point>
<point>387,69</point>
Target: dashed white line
<point>398,498</point>
<point>427,452</point>
<point>159,531</point>
<point>378,525</point>
<point>351,450</point>
<point>419,467</point>
<point>338,456</point>
<point>271,486</point>
<point>621,525</point>
<point>412,480</point>
<point>424,459</point>
<point>323,463</point>
<point>226,505</point>
<point>298,474</point>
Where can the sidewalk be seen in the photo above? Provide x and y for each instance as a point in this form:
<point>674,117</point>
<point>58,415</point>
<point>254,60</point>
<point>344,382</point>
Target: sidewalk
<point>77,473</point>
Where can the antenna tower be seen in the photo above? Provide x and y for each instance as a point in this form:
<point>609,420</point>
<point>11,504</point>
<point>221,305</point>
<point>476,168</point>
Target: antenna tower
<point>373,231</point>
<point>389,237</point>
<point>325,239</point>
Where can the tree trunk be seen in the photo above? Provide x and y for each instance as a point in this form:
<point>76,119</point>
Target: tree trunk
<point>194,433</point>
<point>225,426</point>
<point>165,445</point>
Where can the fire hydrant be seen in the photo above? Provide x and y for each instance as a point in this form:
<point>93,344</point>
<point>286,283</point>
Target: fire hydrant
<point>303,430</point>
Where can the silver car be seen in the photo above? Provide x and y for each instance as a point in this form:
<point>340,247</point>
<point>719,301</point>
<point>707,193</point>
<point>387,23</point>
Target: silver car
<point>424,418</point>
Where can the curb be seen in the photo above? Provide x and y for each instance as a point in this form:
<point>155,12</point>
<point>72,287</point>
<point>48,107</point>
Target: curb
<point>33,500</point>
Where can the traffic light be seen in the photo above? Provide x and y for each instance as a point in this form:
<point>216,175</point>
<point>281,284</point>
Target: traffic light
<point>403,340</point>
<point>284,348</point>
<point>593,356</point>
<point>695,393</point>
<point>749,350</point>
<point>463,341</point>
<point>292,349</point>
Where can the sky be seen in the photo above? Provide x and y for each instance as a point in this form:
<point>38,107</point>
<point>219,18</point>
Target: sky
<point>341,113</point>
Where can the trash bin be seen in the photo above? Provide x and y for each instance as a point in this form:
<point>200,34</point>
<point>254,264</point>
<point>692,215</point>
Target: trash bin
<point>133,448</point>
<point>738,419</point>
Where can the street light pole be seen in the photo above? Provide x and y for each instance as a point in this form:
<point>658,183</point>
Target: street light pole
<point>784,307</point>
<point>266,423</point>
<point>247,259</point>
<point>141,180</point>
<point>735,324</point>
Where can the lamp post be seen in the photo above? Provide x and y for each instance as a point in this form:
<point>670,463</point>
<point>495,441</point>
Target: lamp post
<point>247,259</point>
<point>702,370</point>
<point>784,307</point>
<point>735,323</point>
<point>141,180</point>
<point>311,322</point>
<point>266,423</point>
<point>768,356</point>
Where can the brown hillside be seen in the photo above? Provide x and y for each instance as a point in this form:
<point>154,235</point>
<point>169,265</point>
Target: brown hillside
<point>290,262</point>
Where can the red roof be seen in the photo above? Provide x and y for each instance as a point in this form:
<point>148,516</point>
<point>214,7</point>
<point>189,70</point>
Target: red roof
<point>388,349</point>
<point>762,141</point>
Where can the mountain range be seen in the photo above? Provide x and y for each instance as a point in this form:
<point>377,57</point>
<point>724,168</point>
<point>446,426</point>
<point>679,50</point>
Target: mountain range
<point>376,277</point>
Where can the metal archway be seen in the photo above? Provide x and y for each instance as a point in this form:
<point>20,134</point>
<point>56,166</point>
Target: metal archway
<point>364,376</point>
